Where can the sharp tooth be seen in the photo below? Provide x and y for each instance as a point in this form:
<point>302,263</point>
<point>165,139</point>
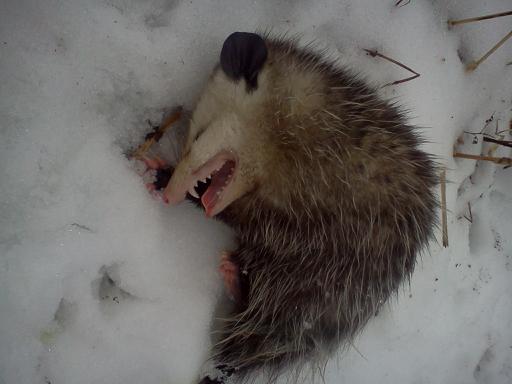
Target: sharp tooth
<point>195,185</point>
<point>193,192</point>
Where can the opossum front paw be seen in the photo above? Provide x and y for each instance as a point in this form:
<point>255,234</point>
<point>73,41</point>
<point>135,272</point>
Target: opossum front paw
<point>162,175</point>
<point>230,273</point>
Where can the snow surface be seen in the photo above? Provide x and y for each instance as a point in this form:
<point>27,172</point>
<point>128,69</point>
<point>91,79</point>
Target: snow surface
<point>101,283</point>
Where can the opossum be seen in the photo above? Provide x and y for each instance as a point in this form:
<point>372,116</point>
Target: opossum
<point>326,187</point>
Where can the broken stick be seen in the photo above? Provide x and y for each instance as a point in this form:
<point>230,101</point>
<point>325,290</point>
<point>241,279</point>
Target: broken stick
<point>154,137</point>
<point>474,64</point>
<point>451,23</point>
<point>498,160</point>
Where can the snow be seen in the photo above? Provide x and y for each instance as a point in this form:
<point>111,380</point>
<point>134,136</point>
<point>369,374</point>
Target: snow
<point>100,282</point>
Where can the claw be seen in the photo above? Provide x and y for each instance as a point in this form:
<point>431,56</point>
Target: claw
<point>163,175</point>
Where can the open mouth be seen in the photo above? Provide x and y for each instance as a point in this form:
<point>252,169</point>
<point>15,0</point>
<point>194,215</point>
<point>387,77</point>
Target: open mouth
<point>210,190</point>
<point>208,182</point>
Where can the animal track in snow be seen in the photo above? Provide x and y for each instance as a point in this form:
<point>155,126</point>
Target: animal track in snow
<point>108,291</point>
<point>484,366</point>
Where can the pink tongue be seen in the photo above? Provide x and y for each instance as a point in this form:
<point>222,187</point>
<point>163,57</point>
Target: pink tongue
<point>210,197</point>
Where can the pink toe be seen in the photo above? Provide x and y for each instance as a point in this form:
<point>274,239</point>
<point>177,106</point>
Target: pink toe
<point>154,163</point>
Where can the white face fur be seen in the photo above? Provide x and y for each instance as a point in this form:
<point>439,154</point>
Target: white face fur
<point>225,135</point>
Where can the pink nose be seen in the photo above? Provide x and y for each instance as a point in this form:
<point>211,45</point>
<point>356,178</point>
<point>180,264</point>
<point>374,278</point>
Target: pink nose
<point>173,194</point>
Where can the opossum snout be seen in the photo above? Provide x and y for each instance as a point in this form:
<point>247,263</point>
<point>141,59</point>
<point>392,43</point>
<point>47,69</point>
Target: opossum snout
<point>210,182</point>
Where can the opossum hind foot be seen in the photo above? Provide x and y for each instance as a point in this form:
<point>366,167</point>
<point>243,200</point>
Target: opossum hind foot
<point>230,273</point>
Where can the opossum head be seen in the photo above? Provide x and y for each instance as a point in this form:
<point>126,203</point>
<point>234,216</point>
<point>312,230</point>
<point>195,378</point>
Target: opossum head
<point>223,158</point>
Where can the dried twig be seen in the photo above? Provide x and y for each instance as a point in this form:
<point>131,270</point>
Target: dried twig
<point>470,218</point>
<point>451,23</point>
<point>375,53</point>
<point>81,226</point>
<point>509,129</point>
<point>397,4</point>
<point>444,219</point>
<point>506,143</point>
<point>155,136</point>
<point>474,64</point>
<point>498,160</point>
<point>490,139</point>
<point>487,122</point>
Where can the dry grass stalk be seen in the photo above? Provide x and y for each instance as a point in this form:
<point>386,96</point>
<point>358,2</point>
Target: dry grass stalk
<point>416,74</point>
<point>154,137</point>
<point>451,23</point>
<point>444,216</point>
<point>474,64</point>
<point>507,161</point>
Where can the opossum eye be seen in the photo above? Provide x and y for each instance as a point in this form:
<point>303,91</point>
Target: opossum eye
<point>198,133</point>
<point>243,55</point>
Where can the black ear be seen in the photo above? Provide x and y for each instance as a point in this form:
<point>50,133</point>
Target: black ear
<point>243,55</point>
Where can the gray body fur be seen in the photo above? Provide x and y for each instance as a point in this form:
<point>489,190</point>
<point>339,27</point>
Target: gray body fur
<point>341,202</point>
